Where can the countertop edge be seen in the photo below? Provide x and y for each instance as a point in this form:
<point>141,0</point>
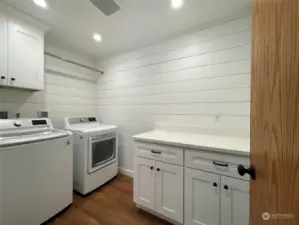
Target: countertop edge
<point>199,147</point>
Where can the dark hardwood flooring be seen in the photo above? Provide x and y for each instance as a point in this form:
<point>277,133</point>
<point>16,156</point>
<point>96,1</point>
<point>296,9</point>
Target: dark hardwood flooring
<point>111,204</point>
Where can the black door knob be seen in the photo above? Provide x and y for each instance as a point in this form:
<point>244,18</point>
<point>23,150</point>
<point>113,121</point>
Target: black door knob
<point>215,184</point>
<point>251,171</point>
<point>225,187</point>
<point>158,169</point>
<point>151,167</point>
<point>2,77</point>
<point>13,79</point>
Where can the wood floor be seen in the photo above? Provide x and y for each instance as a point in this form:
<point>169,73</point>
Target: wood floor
<point>111,204</point>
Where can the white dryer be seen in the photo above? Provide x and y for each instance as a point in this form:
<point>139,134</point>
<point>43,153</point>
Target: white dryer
<point>36,171</point>
<point>95,152</point>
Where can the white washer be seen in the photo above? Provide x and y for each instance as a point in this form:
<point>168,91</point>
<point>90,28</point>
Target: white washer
<point>36,171</point>
<point>95,152</point>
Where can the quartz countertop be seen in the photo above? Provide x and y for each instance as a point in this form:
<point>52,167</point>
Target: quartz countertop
<point>222,144</point>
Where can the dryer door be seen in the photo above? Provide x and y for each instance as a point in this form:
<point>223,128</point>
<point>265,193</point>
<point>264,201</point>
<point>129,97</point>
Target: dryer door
<point>101,151</point>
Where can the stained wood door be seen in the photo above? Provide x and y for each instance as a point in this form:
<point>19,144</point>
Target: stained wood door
<point>202,198</point>
<point>144,182</point>
<point>275,112</point>
<point>170,191</point>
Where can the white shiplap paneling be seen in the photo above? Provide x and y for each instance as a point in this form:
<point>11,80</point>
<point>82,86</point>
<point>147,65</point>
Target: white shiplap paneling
<point>69,91</point>
<point>199,81</point>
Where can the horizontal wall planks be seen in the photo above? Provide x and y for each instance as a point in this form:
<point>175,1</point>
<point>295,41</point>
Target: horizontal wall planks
<point>199,81</point>
<point>226,28</point>
<point>71,93</point>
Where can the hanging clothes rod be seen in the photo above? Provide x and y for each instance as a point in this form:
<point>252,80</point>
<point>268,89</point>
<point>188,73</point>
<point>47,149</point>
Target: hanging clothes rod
<point>72,62</point>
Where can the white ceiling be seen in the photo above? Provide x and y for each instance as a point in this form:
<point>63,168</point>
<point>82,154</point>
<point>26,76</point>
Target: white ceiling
<point>138,23</point>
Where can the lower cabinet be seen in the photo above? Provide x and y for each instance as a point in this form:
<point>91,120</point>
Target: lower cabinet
<point>234,201</point>
<point>144,183</point>
<point>159,187</point>
<point>189,186</point>
<point>212,199</point>
<point>202,198</point>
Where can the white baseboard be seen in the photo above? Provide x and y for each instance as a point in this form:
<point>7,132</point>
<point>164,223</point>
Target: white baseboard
<point>126,172</point>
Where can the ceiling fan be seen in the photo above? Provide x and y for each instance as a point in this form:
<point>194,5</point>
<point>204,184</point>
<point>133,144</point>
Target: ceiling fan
<point>108,7</point>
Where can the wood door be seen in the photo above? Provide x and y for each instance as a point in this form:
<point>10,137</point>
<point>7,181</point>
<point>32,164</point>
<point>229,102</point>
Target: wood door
<point>234,201</point>
<point>170,191</point>
<point>275,112</point>
<point>202,198</point>
<point>144,182</point>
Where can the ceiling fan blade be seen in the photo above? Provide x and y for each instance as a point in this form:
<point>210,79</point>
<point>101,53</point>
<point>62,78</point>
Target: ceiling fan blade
<point>108,7</point>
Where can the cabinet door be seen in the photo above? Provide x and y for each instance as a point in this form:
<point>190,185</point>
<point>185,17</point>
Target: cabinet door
<point>144,182</point>
<point>170,191</point>
<point>202,198</point>
<point>3,51</point>
<point>234,201</point>
<point>25,56</point>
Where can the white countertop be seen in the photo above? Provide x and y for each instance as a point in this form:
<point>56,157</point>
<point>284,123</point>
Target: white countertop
<point>229,145</point>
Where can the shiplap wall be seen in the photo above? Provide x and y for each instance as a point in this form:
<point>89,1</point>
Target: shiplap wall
<point>69,90</point>
<point>197,82</point>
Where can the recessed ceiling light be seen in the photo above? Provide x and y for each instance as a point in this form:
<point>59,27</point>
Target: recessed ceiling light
<point>177,3</point>
<point>41,3</point>
<point>97,37</point>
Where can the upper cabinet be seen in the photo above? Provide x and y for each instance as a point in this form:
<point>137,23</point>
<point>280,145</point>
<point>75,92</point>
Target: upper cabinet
<point>22,62</point>
<point>3,51</point>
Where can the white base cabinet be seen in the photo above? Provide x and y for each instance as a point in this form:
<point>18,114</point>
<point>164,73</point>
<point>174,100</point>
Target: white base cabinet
<point>144,183</point>
<point>202,198</point>
<point>191,187</point>
<point>159,187</point>
<point>234,201</point>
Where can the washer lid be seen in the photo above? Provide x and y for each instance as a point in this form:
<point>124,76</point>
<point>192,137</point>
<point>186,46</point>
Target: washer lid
<point>32,138</point>
<point>94,129</point>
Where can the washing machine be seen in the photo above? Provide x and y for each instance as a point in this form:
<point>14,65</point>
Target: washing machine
<point>95,152</point>
<point>36,171</point>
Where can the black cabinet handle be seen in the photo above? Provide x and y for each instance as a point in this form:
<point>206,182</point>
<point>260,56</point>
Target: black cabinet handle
<point>220,164</point>
<point>156,152</point>
<point>251,171</point>
<point>13,79</point>
<point>17,124</point>
<point>2,77</point>
<point>215,184</point>
<point>151,167</point>
<point>158,169</point>
<point>225,187</point>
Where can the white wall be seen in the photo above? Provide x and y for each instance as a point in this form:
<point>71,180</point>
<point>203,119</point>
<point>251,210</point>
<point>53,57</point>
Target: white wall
<point>69,90</point>
<point>184,83</point>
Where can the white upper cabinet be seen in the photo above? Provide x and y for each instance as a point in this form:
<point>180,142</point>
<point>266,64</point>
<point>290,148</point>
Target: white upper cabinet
<point>234,201</point>
<point>21,55</point>
<point>202,198</point>
<point>25,56</point>
<point>170,191</point>
<point>3,51</point>
<point>144,182</point>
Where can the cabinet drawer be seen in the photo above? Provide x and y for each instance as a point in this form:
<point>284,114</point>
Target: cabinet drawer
<point>160,152</point>
<point>224,164</point>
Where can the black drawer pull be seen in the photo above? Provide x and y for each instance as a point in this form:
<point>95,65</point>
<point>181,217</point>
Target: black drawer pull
<point>220,164</point>
<point>2,77</point>
<point>156,152</point>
